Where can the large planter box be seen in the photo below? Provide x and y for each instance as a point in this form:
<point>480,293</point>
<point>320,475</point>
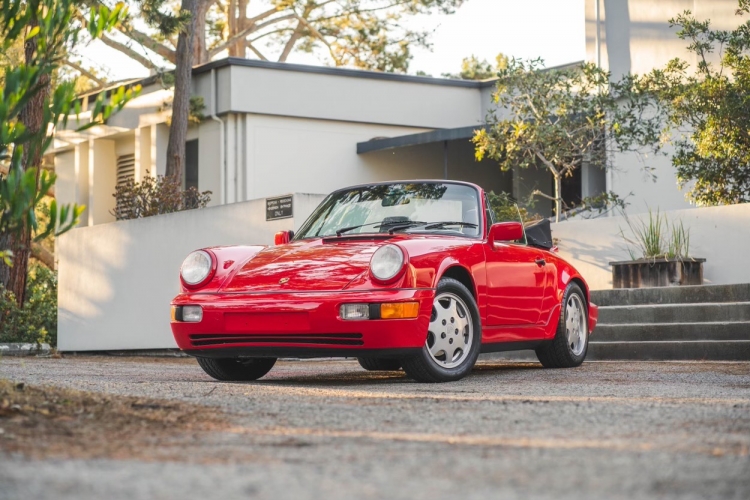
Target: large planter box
<point>646,273</point>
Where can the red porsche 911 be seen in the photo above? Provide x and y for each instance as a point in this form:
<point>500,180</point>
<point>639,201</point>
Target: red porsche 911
<point>415,275</point>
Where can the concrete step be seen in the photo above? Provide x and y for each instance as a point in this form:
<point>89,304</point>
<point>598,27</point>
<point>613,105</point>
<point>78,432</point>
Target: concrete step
<point>639,332</point>
<point>672,295</point>
<point>675,313</point>
<point>737,350</point>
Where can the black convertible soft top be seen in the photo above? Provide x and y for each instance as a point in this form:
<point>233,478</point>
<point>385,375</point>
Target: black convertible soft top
<point>539,234</point>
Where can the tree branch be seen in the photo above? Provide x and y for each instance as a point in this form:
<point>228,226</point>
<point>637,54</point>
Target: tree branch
<point>43,255</point>
<point>149,43</point>
<point>548,163</point>
<point>255,51</point>
<point>88,74</point>
<point>292,40</point>
<point>536,192</point>
<point>320,37</point>
<point>244,33</point>
<point>142,60</point>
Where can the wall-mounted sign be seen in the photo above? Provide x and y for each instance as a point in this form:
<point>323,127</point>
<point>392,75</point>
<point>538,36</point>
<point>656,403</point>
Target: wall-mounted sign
<point>279,208</point>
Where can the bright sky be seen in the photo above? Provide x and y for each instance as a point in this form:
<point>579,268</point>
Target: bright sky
<point>550,29</point>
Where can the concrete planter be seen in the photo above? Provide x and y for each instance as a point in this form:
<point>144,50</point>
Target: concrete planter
<point>647,273</point>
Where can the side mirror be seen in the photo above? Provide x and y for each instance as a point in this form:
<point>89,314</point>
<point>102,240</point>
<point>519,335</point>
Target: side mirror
<point>505,231</point>
<point>283,237</point>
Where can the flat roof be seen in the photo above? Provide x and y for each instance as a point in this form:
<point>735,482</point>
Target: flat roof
<point>347,72</point>
<point>322,70</point>
<point>440,135</point>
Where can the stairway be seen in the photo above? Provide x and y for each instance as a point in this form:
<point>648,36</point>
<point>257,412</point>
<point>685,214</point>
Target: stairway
<point>710,322</point>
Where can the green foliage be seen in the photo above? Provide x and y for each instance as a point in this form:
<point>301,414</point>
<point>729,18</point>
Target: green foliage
<point>656,237</point>
<point>154,196</point>
<point>707,108</point>
<point>53,27</point>
<point>36,320</point>
<point>507,209</point>
<point>560,118</point>
<point>21,192</point>
<point>474,69</point>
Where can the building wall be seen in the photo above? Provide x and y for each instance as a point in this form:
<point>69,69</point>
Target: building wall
<point>116,280</point>
<point>270,155</point>
<point>351,99</point>
<point>718,234</point>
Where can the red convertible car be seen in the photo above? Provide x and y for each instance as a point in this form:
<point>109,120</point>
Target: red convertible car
<point>418,275</point>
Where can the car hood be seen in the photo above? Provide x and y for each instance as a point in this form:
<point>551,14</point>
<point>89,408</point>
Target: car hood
<point>304,266</point>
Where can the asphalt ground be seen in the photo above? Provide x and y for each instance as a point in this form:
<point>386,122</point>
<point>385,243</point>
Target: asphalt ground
<point>328,429</point>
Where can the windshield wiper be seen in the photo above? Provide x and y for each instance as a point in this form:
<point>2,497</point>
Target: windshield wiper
<point>441,225</point>
<point>398,223</point>
<point>429,225</point>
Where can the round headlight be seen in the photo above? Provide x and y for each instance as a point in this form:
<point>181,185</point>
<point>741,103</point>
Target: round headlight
<point>196,267</point>
<point>387,262</point>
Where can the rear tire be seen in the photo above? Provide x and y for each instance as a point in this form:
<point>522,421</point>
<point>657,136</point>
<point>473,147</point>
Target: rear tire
<point>236,369</point>
<point>380,364</point>
<point>571,343</point>
<point>454,337</point>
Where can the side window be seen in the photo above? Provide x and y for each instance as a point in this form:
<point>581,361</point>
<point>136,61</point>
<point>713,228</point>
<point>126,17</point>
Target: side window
<point>503,208</point>
<point>490,213</point>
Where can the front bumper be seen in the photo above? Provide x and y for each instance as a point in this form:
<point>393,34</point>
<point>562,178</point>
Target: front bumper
<point>300,324</point>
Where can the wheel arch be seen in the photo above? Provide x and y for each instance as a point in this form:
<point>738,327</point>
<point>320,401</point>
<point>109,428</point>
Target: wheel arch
<point>584,288</point>
<point>462,275</point>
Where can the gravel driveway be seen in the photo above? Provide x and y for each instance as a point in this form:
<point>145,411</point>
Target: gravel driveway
<point>327,429</point>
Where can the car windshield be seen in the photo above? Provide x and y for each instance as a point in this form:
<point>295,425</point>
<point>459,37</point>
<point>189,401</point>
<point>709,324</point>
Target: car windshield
<point>404,207</point>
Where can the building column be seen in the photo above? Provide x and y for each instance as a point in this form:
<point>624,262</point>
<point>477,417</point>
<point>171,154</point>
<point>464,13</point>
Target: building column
<point>82,180</point>
<point>102,180</point>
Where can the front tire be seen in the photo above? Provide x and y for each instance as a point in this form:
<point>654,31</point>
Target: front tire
<point>380,364</point>
<point>571,343</point>
<point>454,337</point>
<point>236,369</point>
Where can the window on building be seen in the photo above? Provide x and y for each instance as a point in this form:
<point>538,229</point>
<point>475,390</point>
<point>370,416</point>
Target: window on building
<point>191,164</point>
<point>125,169</point>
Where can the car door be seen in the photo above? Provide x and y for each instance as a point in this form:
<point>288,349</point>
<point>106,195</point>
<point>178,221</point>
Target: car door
<point>516,281</point>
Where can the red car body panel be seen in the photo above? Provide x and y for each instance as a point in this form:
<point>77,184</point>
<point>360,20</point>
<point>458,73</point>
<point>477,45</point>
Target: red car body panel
<point>285,300</point>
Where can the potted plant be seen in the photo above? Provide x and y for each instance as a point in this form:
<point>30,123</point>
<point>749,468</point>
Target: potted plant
<point>660,255</point>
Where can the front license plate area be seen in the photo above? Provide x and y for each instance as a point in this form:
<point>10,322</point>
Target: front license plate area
<point>288,322</point>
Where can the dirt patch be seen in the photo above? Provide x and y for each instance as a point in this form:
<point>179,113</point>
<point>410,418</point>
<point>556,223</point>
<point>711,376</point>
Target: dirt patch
<point>41,422</point>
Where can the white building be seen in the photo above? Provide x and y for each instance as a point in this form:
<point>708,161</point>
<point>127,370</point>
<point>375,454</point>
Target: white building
<point>273,128</point>
<point>634,36</point>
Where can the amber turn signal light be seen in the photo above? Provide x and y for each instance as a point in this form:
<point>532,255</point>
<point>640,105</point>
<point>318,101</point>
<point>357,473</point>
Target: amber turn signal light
<point>399,310</point>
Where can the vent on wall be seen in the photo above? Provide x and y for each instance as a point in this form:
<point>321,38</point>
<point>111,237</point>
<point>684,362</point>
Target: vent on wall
<point>125,169</point>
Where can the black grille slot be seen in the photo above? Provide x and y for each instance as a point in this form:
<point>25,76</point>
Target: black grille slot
<point>199,340</point>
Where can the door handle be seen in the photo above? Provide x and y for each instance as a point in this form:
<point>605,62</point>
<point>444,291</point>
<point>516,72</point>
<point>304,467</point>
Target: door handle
<point>541,262</point>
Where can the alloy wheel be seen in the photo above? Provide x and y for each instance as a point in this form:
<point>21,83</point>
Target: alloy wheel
<point>451,331</point>
<point>575,324</point>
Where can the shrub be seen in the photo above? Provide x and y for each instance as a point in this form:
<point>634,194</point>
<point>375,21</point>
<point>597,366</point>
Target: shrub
<point>656,237</point>
<point>36,320</point>
<point>154,196</point>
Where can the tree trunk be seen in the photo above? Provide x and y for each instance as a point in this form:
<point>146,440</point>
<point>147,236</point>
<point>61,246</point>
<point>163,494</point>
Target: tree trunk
<point>558,197</point>
<point>200,50</point>
<point>237,17</point>
<point>32,116</point>
<point>181,101</point>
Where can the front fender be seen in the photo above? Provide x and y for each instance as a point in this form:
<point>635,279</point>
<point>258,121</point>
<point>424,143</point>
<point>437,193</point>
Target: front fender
<point>229,260</point>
